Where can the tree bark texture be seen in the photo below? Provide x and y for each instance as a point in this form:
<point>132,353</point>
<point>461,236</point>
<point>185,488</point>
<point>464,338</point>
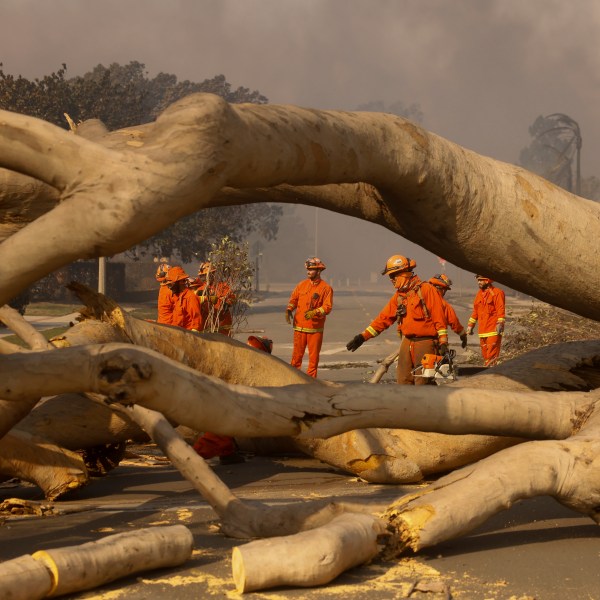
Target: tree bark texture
<point>490,216</point>
<point>70,569</point>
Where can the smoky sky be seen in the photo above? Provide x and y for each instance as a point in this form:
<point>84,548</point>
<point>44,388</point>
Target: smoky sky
<point>480,70</point>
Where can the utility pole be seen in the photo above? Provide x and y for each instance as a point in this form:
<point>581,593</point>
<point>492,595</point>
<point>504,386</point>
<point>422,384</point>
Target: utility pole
<point>102,275</point>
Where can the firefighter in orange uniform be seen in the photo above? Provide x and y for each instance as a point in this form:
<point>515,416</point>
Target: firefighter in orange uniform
<point>418,308</point>
<point>442,284</point>
<point>489,312</point>
<point>165,296</point>
<point>216,300</point>
<point>186,308</point>
<point>208,445</point>
<point>312,301</point>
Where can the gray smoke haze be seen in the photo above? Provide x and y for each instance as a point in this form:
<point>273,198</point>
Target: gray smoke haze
<point>481,71</point>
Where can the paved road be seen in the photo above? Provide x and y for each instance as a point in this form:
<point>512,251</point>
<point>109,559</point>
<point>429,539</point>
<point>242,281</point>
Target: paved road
<point>537,549</point>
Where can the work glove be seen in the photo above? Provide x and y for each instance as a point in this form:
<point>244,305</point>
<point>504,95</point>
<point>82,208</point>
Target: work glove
<point>463,339</point>
<point>470,329</point>
<point>356,342</point>
<point>213,299</point>
<point>443,349</point>
<point>499,328</point>
<point>309,314</point>
<point>288,316</point>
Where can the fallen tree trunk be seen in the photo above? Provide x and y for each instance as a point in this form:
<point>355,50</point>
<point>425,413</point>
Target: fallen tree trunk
<point>70,569</point>
<point>307,559</point>
<point>55,470</point>
<point>128,373</point>
<point>209,353</point>
<point>182,162</point>
<point>567,471</point>
<point>382,455</point>
<point>85,423</point>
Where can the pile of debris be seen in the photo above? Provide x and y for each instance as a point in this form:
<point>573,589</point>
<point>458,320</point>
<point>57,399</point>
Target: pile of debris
<point>543,325</point>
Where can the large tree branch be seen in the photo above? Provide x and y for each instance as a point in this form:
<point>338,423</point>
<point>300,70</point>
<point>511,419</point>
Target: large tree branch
<point>130,374</point>
<point>489,216</point>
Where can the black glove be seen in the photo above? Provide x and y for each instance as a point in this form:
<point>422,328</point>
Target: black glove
<point>289,315</point>
<point>443,349</point>
<point>463,339</point>
<point>356,342</point>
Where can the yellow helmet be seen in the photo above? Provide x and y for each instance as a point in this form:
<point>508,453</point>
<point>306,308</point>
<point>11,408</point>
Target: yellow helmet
<point>397,264</point>
<point>441,281</point>
<point>161,272</point>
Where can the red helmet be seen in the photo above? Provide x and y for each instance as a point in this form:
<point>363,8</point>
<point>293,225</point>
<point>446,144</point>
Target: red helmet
<point>397,264</point>
<point>314,263</point>
<point>441,281</point>
<point>262,343</point>
<point>161,272</point>
<point>176,274</point>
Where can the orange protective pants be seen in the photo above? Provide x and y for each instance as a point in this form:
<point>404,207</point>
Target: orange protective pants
<point>490,349</point>
<point>409,357</point>
<point>209,445</point>
<point>314,341</point>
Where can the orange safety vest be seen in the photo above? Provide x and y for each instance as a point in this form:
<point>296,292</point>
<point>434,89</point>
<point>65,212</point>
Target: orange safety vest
<point>311,295</point>
<point>488,309</point>
<point>186,310</point>
<point>419,321</point>
<point>452,318</point>
<point>165,305</point>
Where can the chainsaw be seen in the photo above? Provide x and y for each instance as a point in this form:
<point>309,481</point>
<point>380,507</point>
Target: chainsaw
<point>440,368</point>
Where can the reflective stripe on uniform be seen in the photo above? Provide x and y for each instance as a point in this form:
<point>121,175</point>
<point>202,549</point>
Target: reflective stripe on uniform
<point>306,330</point>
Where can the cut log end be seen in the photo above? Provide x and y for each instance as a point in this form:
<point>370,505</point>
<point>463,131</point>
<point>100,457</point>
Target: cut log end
<point>238,570</point>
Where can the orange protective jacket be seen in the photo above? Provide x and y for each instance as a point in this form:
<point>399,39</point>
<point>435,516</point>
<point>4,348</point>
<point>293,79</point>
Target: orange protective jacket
<point>415,323</point>
<point>186,310</point>
<point>488,310</point>
<point>311,295</point>
<point>452,318</point>
<point>165,305</point>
